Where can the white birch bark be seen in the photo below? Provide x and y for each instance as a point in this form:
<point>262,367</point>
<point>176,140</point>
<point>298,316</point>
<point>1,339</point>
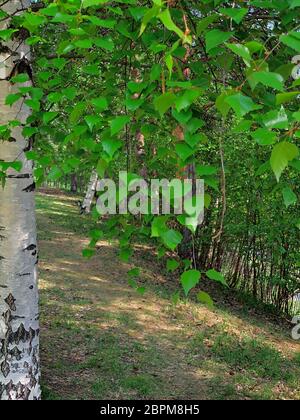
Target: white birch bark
<point>19,317</point>
<point>90,194</point>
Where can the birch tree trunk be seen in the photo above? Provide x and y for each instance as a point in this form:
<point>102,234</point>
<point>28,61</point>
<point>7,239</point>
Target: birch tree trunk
<point>19,317</point>
<point>90,194</point>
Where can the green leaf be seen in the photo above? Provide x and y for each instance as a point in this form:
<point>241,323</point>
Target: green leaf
<point>103,23</point>
<point>216,276</point>
<point>84,43</point>
<point>292,40</point>
<point>155,73</point>
<point>276,119</point>
<point>189,280</point>
<point>254,46</point>
<point>12,98</point>
<point>106,43</point>
<point>20,78</point>
<point>171,239</point>
<point>241,51</point>
<point>100,103</point>
<point>289,197</point>
<point>295,3</point>
<point>166,19</point>
<point>194,139</point>
<point>273,80</point>
<point>236,14</point>
<point>141,290</point>
<point>164,102</point>
<point>29,131</point>
<point>49,116</point>
<point>182,117</point>
<point>194,125</point>
<point>283,98</point>
<point>187,99</point>
<point>125,254</point>
<point>172,265</point>
<point>159,226</point>
<point>6,34</point>
<point>96,234</point>
<point>264,137</point>
<point>204,170</point>
<point>70,93</point>
<point>88,253</point>
<point>282,154</point>
<point>77,112</point>
<point>296,116</point>
<point>295,164</point>
<point>183,151</point>
<point>205,299</point>
<point>169,63</point>
<point>221,103</point>
<point>216,37</point>
<point>152,13</point>
<point>205,22</point>
<point>34,104</point>
<point>242,127</point>
<point>92,121</point>
<point>90,3</point>
<point>110,146</point>
<point>118,124</point>
<point>241,104</point>
<point>32,20</point>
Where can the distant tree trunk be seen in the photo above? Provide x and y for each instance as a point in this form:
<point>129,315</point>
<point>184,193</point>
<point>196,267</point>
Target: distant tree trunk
<point>19,325</point>
<point>90,194</point>
<point>74,183</point>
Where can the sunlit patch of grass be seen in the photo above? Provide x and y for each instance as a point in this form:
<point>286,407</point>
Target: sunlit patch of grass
<point>65,213</point>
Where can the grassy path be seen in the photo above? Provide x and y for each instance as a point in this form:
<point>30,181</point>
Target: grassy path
<point>102,340</point>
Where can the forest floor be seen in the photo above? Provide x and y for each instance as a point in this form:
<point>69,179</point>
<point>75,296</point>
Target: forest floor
<point>102,340</point>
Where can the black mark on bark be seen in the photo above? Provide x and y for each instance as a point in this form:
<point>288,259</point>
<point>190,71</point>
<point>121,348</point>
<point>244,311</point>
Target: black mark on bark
<point>10,301</point>
<point>20,176</point>
<point>31,247</point>
<point>30,188</point>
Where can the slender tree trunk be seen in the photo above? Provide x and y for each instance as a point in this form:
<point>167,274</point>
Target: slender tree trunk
<point>90,194</point>
<point>19,318</point>
<point>74,183</point>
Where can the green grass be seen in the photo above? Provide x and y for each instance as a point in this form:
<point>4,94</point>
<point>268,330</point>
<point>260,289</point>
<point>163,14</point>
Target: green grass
<point>255,367</point>
<point>64,213</point>
<point>49,395</point>
<point>101,340</point>
<point>252,356</point>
